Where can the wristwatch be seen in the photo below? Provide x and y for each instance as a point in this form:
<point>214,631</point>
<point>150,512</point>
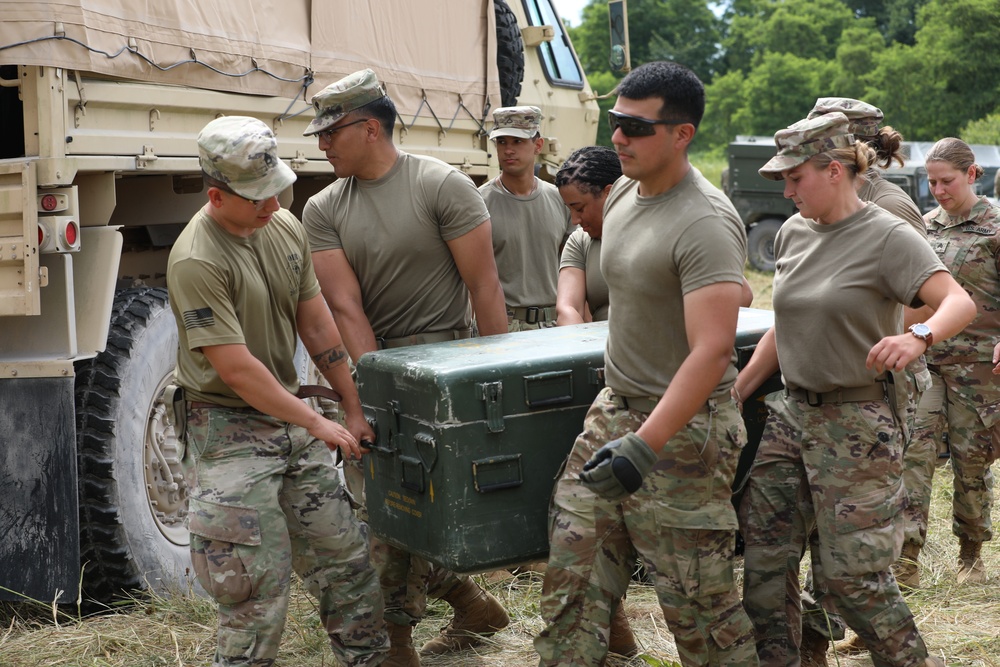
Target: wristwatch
<point>923,332</point>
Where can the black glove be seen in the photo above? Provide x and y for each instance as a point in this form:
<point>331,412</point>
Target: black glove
<point>618,468</point>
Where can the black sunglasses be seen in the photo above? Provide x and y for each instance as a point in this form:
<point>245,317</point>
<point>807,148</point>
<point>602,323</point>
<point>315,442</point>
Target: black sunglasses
<point>634,126</point>
<point>328,133</point>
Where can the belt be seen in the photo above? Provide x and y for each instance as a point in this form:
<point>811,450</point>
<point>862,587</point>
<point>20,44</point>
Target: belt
<point>424,338</point>
<point>638,403</point>
<point>872,392</point>
<point>305,391</point>
<point>533,314</point>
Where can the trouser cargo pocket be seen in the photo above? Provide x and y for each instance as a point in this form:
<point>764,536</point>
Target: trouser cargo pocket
<point>223,538</point>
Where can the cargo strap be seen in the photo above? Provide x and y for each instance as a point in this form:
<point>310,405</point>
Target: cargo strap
<point>305,391</point>
<point>644,404</point>
<point>872,392</point>
<point>533,314</point>
<point>423,338</point>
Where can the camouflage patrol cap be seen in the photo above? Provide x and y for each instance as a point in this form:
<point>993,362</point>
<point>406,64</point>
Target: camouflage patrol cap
<point>516,122</point>
<point>864,118</point>
<point>342,97</point>
<point>242,152</point>
<point>808,137</point>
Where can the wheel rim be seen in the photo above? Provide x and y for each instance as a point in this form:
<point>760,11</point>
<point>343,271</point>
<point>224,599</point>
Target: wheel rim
<point>166,489</point>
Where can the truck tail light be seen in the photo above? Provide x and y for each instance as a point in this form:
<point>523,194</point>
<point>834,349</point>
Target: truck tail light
<point>58,233</point>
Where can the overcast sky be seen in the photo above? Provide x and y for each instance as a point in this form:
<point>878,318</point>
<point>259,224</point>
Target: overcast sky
<point>569,10</point>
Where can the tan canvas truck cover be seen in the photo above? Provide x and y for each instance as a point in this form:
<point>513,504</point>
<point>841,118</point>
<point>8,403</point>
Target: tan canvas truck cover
<point>286,48</point>
<point>101,102</point>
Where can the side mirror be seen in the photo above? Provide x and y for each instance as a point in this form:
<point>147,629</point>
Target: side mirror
<point>621,59</point>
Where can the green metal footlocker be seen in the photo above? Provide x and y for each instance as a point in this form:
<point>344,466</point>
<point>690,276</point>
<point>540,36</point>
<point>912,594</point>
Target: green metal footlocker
<point>471,435</point>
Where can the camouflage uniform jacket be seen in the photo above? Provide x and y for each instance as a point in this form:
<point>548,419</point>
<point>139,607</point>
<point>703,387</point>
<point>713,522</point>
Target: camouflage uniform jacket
<point>970,248</point>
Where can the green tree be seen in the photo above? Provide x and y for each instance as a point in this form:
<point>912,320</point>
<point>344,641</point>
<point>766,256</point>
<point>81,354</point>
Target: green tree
<point>780,91</point>
<point>949,77</point>
<point>723,101</point>
<point>896,20</point>
<point>983,131</point>
<point>685,31</point>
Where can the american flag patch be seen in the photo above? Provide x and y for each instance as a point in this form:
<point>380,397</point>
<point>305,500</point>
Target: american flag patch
<point>202,317</point>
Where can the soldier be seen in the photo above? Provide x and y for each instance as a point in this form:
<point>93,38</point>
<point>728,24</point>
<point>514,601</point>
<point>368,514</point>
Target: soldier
<point>673,255</point>
<point>584,181</point>
<point>529,221</point>
<point>265,496</point>
<point>401,243</point>
<point>964,230</point>
<point>830,458</point>
<point>920,448</point>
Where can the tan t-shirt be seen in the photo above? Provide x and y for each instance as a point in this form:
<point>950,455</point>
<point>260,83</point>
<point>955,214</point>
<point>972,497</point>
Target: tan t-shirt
<point>527,234</point>
<point>584,252</point>
<point>892,198</point>
<point>225,289</point>
<point>838,290</point>
<point>654,251</point>
<point>394,231</point>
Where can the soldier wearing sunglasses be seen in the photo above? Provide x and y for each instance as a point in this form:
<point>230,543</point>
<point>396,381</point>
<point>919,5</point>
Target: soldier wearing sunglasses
<point>667,433</point>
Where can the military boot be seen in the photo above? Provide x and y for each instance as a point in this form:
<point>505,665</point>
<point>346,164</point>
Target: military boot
<point>813,648</point>
<point>401,651</point>
<point>477,614</point>
<point>907,568</point>
<point>622,641</point>
<point>970,565</point>
<point>852,646</point>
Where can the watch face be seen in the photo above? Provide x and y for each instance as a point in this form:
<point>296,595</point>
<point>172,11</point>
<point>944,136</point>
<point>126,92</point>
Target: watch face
<point>920,330</point>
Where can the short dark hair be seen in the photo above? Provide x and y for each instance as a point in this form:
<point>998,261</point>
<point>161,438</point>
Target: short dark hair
<point>681,90</point>
<point>591,169</point>
<point>383,110</point>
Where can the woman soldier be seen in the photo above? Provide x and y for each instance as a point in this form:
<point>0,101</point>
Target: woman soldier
<point>817,628</point>
<point>831,454</point>
<point>964,401</point>
<point>584,181</point>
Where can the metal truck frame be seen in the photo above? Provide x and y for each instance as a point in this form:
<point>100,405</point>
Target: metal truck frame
<point>99,173</point>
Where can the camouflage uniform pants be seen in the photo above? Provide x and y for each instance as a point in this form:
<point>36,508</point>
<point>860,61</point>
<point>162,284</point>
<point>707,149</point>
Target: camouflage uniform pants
<point>681,522</point>
<point>266,499</point>
<point>836,469</point>
<point>818,611</point>
<point>406,579</point>
<point>964,406</point>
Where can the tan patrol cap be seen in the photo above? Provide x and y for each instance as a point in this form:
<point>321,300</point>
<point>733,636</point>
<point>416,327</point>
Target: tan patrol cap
<point>802,140</point>
<point>864,118</point>
<point>520,122</point>
<point>342,97</point>
<point>242,152</point>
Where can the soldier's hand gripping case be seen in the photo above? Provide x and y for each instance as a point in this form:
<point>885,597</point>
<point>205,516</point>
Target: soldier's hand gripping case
<point>618,468</point>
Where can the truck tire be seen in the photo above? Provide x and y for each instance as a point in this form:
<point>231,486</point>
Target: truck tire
<point>760,244</point>
<point>133,498</point>
<point>510,54</point>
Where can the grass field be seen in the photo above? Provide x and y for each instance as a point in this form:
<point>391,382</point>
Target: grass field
<point>960,623</point>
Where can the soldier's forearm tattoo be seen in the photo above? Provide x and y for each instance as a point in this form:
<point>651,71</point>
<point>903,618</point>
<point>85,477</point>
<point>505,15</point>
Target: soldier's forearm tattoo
<point>328,359</point>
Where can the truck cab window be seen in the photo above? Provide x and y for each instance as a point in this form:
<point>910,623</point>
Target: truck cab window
<point>558,60</point>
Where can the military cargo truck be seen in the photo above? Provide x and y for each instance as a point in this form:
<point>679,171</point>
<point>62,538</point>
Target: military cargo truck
<point>763,207</point>
<point>101,101</point>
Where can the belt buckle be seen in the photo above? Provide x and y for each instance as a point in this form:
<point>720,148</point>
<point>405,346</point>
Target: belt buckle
<point>531,315</point>
<point>810,396</point>
<point>380,342</point>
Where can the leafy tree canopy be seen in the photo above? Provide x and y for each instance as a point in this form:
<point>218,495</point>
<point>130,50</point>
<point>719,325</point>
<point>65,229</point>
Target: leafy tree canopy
<point>930,65</point>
